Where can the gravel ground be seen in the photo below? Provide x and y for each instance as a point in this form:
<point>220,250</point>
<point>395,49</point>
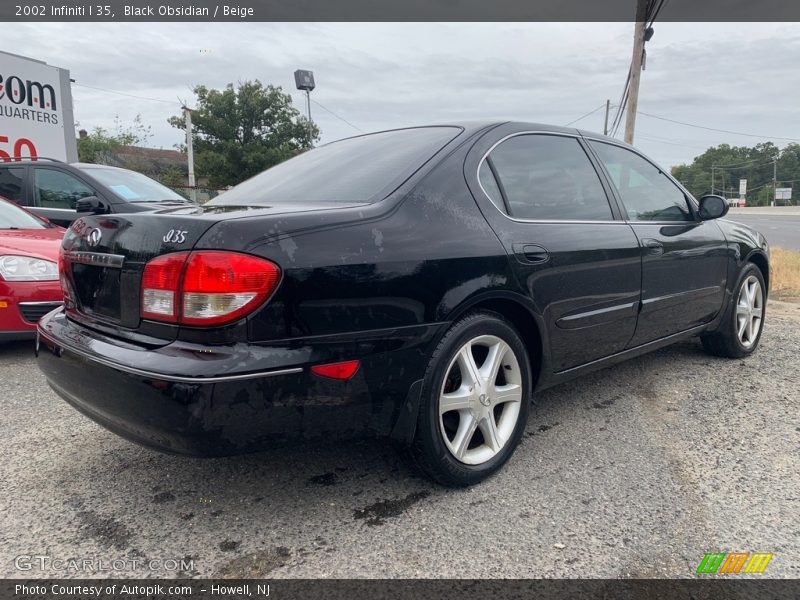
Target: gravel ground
<point>634,471</point>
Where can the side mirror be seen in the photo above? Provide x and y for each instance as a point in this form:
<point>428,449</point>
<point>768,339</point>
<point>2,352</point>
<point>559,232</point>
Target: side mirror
<point>92,205</point>
<point>712,207</point>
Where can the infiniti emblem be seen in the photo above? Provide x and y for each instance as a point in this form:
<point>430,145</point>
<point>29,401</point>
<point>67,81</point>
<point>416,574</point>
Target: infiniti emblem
<point>93,237</point>
<point>484,399</point>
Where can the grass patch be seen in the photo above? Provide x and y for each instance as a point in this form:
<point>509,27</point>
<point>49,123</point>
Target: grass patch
<point>785,273</point>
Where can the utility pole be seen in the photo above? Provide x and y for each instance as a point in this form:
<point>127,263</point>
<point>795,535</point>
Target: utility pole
<point>304,80</point>
<point>605,126</point>
<point>636,69</point>
<point>310,124</point>
<point>774,180</point>
<point>187,113</point>
<point>712,179</point>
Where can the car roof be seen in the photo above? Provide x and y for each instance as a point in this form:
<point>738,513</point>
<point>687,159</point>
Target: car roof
<point>473,126</point>
<point>89,166</point>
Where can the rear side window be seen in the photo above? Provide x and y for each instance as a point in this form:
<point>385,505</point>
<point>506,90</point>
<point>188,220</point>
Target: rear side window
<point>547,177</point>
<point>355,170</point>
<point>11,183</point>
<point>56,189</point>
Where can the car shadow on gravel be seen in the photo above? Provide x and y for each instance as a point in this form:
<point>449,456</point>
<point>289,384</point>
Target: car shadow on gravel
<point>310,503</point>
<point>271,511</point>
<point>365,473</point>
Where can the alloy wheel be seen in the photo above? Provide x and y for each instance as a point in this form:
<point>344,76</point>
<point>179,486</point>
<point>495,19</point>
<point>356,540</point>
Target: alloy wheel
<point>749,311</point>
<point>479,404</point>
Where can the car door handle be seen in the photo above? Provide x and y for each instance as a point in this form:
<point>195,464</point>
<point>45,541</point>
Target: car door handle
<point>531,253</point>
<point>653,246</point>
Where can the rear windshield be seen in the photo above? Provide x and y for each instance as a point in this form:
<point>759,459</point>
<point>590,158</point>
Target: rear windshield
<point>132,186</point>
<point>355,170</point>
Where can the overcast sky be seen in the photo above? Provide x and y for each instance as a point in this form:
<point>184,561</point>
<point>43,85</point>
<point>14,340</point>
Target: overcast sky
<point>735,76</point>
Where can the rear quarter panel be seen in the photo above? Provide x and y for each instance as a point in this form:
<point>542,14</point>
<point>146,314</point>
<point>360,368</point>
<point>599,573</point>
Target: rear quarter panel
<point>406,261</point>
<point>380,288</point>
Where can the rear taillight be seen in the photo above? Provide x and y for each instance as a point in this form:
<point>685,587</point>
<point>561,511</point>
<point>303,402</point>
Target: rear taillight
<point>206,287</point>
<point>66,286</point>
<point>161,286</point>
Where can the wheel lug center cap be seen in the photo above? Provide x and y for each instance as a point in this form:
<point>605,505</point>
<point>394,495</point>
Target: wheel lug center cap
<point>484,399</point>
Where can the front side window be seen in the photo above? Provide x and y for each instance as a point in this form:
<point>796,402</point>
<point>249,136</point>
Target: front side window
<point>11,181</point>
<point>646,192</point>
<point>547,177</point>
<point>56,189</point>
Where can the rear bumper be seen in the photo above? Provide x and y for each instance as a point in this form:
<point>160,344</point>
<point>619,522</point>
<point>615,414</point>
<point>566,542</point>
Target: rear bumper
<point>218,400</point>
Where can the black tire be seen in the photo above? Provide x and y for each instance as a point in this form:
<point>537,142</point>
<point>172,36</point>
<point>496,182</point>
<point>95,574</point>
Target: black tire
<point>725,340</point>
<point>429,451</point>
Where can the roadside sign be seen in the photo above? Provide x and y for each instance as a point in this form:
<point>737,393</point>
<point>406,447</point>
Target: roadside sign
<point>36,110</point>
<point>742,188</point>
<point>304,80</point>
<point>783,193</point>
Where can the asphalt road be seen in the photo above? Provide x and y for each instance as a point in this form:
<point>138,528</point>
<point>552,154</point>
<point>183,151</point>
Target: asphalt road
<point>635,471</point>
<point>780,230</point>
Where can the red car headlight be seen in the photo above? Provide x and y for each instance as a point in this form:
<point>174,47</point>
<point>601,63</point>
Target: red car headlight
<point>27,268</point>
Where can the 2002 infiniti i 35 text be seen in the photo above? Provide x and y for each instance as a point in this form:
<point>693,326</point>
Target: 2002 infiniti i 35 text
<point>420,283</point>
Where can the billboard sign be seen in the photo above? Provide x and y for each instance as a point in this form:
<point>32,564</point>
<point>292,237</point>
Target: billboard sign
<point>35,110</point>
<point>783,193</point>
<point>304,80</point>
<point>742,188</point>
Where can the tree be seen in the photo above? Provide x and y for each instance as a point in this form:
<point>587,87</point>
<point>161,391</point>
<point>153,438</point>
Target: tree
<point>732,163</point>
<point>99,146</point>
<point>241,132</point>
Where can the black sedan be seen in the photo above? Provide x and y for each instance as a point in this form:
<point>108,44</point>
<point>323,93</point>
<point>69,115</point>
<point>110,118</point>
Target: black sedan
<point>61,192</point>
<point>420,284</point>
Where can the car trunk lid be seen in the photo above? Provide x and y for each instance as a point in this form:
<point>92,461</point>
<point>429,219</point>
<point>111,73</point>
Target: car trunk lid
<point>104,256</point>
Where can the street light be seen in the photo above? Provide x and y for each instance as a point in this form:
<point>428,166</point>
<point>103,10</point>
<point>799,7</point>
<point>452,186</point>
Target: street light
<point>304,80</point>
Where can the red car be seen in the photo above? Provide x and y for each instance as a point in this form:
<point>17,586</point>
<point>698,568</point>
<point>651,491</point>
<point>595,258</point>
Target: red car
<point>29,287</point>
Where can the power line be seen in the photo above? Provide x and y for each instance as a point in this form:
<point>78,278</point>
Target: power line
<point>337,116</point>
<point>91,87</point>
<point>657,10</point>
<point>591,112</point>
<point>753,135</point>
<point>124,93</point>
<point>621,106</point>
<point>744,164</point>
<point>671,142</point>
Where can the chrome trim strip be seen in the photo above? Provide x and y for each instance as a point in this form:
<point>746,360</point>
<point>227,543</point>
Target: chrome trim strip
<point>96,259</point>
<point>172,378</point>
<point>602,316</point>
<point>52,302</point>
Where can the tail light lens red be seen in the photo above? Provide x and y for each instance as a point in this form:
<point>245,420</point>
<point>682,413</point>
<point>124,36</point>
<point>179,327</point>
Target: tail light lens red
<point>161,285</point>
<point>206,287</point>
<point>341,370</point>
<point>66,286</point>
